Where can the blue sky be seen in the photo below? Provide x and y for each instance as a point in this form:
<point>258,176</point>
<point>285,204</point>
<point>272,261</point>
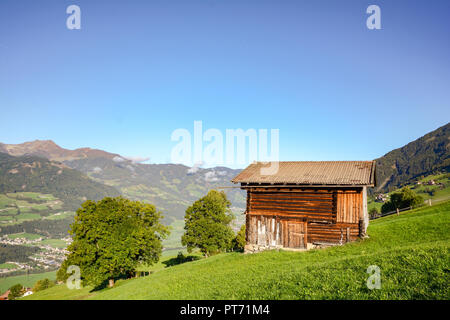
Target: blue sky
<point>138,70</point>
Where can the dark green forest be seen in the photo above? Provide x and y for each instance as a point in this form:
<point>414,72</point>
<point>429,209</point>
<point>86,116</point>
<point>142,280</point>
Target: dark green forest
<point>48,228</point>
<point>16,253</point>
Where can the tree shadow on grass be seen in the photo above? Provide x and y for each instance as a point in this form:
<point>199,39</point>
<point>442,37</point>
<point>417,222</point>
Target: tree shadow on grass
<point>105,284</point>
<point>101,286</point>
<point>181,258</point>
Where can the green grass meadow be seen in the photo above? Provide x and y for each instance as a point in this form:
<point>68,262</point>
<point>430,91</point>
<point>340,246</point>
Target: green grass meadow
<point>7,266</point>
<point>28,236</point>
<point>411,250</point>
<point>25,280</point>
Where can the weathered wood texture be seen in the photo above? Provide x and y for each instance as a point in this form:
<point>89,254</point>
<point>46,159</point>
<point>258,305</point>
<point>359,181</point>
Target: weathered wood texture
<point>334,233</point>
<point>264,230</point>
<point>349,206</point>
<point>292,218</point>
<point>312,205</point>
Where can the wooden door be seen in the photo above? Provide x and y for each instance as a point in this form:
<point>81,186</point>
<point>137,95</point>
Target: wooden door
<point>296,234</point>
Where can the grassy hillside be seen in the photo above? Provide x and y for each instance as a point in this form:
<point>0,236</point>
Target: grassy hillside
<point>412,251</point>
<point>437,193</point>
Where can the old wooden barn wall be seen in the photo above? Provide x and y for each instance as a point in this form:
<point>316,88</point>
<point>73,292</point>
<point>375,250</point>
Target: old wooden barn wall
<point>293,217</point>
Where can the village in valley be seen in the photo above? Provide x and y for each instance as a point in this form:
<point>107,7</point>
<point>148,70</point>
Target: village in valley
<point>48,257</point>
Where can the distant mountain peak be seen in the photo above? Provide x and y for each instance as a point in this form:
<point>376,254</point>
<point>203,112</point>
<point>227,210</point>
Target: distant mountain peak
<point>50,150</point>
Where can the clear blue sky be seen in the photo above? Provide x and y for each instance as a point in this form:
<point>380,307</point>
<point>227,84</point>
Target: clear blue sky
<point>137,70</point>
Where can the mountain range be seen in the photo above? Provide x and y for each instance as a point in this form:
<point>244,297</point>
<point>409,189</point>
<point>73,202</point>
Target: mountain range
<point>170,187</point>
<point>85,173</point>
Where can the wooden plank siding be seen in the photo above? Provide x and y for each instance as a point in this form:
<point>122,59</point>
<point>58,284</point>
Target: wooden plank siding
<point>265,230</point>
<point>294,217</point>
<point>336,233</point>
<point>316,206</point>
<point>349,206</point>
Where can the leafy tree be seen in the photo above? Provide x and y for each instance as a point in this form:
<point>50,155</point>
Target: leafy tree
<point>402,199</point>
<point>111,237</point>
<point>16,291</point>
<point>239,241</point>
<point>42,285</point>
<point>207,224</point>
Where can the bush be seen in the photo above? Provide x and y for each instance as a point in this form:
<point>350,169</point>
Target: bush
<point>402,199</point>
<point>16,291</point>
<point>239,241</point>
<point>42,285</point>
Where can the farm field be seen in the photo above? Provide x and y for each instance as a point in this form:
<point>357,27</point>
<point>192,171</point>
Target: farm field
<point>60,215</point>
<point>55,243</point>
<point>28,236</point>
<point>7,265</point>
<point>25,280</point>
<point>411,250</point>
<point>27,206</point>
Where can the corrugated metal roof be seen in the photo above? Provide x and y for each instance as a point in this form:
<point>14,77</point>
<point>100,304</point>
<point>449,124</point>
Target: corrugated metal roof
<point>311,172</point>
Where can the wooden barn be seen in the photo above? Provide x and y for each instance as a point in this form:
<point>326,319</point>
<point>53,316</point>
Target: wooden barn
<point>306,204</point>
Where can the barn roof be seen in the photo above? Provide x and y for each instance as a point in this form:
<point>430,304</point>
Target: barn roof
<point>311,173</point>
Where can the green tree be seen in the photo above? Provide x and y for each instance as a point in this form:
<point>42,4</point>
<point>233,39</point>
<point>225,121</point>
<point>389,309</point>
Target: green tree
<point>42,285</point>
<point>207,224</point>
<point>16,291</point>
<point>239,241</point>
<point>402,199</point>
<point>111,237</point>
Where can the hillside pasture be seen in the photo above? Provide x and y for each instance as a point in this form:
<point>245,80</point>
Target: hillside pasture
<point>437,193</point>
<point>411,251</point>
<point>27,206</point>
